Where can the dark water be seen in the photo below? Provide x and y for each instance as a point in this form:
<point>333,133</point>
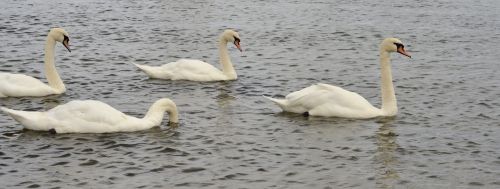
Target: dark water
<point>445,136</point>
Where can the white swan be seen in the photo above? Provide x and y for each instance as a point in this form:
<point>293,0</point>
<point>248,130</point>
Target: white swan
<point>16,85</point>
<point>90,116</point>
<point>331,101</point>
<point>196,70</point>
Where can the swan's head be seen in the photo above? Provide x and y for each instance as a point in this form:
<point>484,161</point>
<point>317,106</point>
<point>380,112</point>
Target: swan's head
<point>168,105</point>
<point>61,36</point>
<point>232,36</point>
<point>394,45</point>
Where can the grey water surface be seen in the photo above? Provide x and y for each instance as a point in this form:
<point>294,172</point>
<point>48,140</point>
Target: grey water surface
<point>446,134</point>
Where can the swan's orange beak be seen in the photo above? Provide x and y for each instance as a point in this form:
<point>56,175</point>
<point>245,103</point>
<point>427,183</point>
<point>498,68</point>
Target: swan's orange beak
<point>401,50</point>
<point>66,43</point>
<point>237,44</point>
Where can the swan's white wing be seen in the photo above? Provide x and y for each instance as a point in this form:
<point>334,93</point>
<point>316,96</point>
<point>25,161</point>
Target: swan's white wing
<point>328,100</point>
<point>22,85</point>
<point>88,116</point>
<point>89,110</point>
<point>185,69</point>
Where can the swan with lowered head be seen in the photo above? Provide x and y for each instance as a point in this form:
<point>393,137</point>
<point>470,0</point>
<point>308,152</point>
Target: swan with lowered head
<point>332,101</point>
<point>196,70</point>
<point>90,116</point>
<point>16,85</point>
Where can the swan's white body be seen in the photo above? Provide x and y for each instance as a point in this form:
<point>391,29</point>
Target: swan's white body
<point>327,100</point>
<point>332,101</point>
<point>16,85</point>
<point>186,69</point>
<point>90,116</point>
<point>196,70</point>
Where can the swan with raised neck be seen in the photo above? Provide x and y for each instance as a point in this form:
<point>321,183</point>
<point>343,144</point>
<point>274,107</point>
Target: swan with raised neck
<point>16,85</point>
<point>332,101</point>
<point>389,102</point>
<point>196,70</point>
<point>90,116</point>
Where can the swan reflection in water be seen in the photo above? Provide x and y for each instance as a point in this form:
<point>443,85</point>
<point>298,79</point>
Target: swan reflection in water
<point>224,104</point>
<point>385,158</point>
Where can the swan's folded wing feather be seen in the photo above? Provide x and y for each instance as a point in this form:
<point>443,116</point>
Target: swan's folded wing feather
<point>327,99</point>
<point>184,69</point>
<point>87,116</point>
<point>313,91</point>
<point>88,111</point>
<point>192,70</point>
<point>18,79</point>
<point>303,100</point>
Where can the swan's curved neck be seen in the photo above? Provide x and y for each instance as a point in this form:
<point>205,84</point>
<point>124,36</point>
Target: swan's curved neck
<point>156,111</point>
<point>389,103</point>
<point>50,68</point>
<point>225,60</point>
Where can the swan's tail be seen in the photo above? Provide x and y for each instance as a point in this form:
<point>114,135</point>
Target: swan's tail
<point>279,102</point>
<point>19,116</point>
<point>149,70</point>
<point>30,120</point>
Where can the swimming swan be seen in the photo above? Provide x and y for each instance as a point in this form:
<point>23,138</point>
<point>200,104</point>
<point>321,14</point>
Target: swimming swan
<point>196,70</point>
<point>90,116</point>
<point>332,101</point>
<point>16,85</point>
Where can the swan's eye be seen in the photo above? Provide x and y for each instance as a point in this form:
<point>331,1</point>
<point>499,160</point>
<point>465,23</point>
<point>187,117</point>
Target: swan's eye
<point>236,39</point>
<point>66,38</point>
<point>398,45</point>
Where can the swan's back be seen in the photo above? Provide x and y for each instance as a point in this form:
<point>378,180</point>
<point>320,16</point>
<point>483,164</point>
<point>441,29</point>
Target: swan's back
<point>90,116</point>
<point>87,110</point>
<point>22,85</point>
